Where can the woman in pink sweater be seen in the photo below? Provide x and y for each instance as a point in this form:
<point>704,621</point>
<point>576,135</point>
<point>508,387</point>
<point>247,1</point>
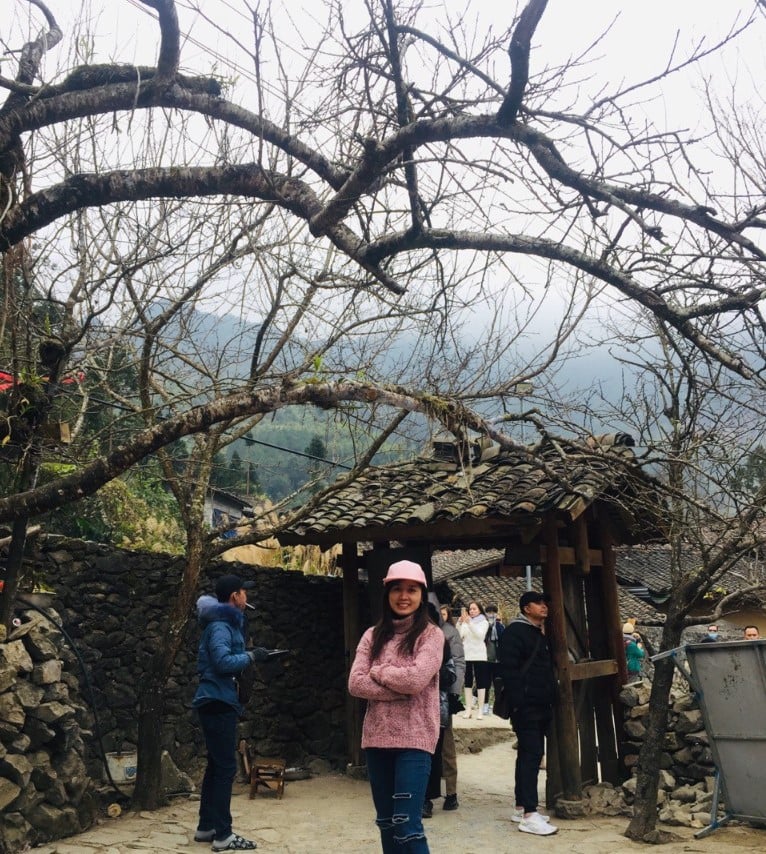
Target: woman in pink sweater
<point>396,669</point>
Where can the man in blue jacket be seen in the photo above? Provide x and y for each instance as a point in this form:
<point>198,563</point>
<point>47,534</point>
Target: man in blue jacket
<point>525,664</point>
<point>222,657</point>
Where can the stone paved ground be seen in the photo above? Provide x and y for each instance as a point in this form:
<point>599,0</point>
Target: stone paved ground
<point>333,815</point>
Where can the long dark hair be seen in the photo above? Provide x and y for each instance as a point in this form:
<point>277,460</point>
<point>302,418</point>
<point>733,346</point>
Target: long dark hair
<point>384,628</point>
<point>478,605</point>
<point>448,618</point>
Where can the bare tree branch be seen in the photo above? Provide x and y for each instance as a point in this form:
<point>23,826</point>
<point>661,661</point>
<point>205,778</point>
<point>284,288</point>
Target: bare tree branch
<point>197,419</point>
<point>518,50</point>
<point>170,45</point>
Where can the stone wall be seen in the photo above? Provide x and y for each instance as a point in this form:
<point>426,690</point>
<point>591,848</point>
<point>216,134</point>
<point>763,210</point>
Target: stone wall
<point>62,692</point>
<point>45,784</point>
<point>687,769</point>
<point>685,795</point>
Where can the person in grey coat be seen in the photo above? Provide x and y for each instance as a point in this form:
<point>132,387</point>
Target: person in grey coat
<point>449,754</point>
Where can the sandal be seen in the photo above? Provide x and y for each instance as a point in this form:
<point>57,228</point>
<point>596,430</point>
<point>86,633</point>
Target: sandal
<point>234,843</point>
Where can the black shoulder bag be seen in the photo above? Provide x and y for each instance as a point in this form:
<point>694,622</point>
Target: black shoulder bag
<point>502,705</point>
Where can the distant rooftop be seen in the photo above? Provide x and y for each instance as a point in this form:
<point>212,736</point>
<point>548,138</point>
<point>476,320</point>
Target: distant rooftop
<point>452,571</point>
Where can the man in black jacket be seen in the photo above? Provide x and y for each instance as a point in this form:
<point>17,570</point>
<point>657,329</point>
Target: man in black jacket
<point>525,665</point>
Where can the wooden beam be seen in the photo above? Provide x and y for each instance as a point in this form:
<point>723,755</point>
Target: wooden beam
<point>613,624</point>
<point>610,595</point>
<point>577,648</point>
<point>516,555</point>
<point>582,551</point>
<point>425,563</point>
<point>602,699</point>
<point>593,669</point>
<point>378,561</point>
<point>566,723</point>
<point>586,727</point>
<point>567,556</point>
<point>553,788</point>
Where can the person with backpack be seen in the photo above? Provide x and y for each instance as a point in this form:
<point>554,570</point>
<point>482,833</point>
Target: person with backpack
<point>449,752</point>
<point>447,677</point>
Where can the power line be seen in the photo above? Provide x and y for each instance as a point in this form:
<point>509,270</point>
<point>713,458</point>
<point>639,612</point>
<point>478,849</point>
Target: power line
<point>247,439</point>
<point>251,441</point>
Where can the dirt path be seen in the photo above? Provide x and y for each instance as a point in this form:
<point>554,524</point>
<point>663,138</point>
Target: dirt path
<point>333,815</point>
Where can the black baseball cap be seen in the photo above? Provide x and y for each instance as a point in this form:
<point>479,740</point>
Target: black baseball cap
<point>228,584</point>
<point>532,596</point>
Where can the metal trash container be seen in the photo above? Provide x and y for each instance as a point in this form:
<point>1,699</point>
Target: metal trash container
<point>730,679</point>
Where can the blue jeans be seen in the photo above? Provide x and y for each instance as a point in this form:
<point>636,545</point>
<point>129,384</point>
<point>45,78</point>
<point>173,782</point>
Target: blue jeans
<point>398,780</point>
<point>220,731</point>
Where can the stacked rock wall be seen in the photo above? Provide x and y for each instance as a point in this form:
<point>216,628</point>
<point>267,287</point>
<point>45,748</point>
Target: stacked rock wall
<point>62,694</point>
<point>45,781</point>
<point>687,769</point>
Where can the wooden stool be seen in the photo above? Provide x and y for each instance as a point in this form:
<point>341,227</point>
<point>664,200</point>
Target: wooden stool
<point>268,772</point>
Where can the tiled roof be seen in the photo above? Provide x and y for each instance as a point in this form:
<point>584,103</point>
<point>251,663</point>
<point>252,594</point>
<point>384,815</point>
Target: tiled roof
<point>454,564</point>
<point>515,486</point>
<point>505,592</point>
<point>453,571</point>
<point>650,567</point>
<point>637,567</point>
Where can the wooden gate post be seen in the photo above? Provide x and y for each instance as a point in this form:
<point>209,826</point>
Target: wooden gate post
<point>566,722</point>
<point>613,623</point>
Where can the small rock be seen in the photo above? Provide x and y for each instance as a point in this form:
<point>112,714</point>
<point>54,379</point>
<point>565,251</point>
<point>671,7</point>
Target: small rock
<point>571,808</point>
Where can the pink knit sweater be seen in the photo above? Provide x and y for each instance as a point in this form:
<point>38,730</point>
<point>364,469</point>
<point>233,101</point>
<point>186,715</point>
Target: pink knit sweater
<point>402,690</point>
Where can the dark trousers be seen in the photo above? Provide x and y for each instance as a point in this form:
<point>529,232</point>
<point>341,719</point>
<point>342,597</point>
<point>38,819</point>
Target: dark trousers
<point>220,730</point>
<point>530,733</point>
<point>477,674</point>
<point>434,788</point>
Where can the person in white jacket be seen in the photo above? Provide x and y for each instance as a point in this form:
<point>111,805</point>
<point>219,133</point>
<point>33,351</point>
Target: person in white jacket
<point>472,625</point>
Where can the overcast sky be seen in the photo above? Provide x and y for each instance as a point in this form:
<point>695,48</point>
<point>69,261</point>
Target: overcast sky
<point>639,42</point>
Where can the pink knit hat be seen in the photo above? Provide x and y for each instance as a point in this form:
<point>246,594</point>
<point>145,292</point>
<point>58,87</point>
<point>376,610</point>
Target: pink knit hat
<point>405,570</point>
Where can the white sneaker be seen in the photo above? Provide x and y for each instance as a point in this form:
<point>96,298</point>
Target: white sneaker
<point>537,825</point>
<point>485,709</point>
<point>518,814</point>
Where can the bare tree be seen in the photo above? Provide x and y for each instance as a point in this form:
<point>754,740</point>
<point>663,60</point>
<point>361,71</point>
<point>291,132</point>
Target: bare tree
<point>694,424</point>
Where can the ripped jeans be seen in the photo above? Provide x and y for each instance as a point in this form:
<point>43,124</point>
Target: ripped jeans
<point>398,779</point>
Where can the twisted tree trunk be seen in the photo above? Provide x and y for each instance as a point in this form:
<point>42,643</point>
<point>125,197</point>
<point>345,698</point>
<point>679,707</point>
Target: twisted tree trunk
<point>148,794</point>
<point>643,825</point>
